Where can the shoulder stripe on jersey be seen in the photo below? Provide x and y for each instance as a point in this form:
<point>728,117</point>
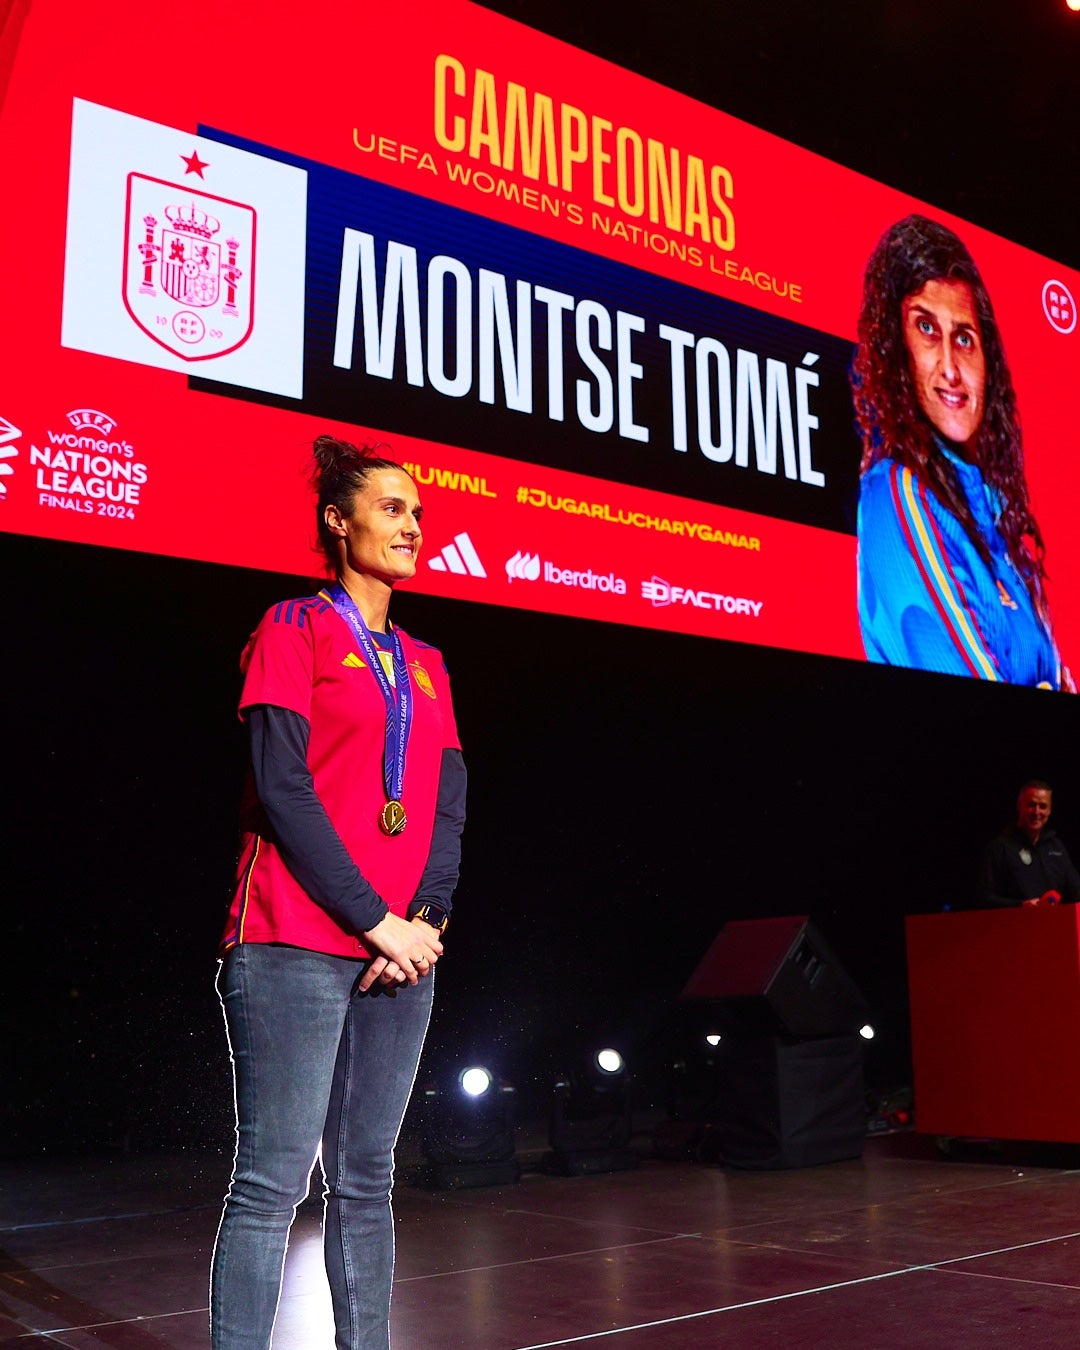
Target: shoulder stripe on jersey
<point>943,586</point>
<point>296,611</point>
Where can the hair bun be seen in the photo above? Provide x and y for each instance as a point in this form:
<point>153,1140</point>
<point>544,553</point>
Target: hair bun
<point>339,471</point>
<point>333,456</point>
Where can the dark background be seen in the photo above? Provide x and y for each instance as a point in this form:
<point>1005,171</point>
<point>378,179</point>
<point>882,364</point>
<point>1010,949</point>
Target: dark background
<point>608,839</point>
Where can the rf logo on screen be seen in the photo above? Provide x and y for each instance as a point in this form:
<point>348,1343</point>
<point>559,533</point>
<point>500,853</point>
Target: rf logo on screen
<point>1059,306</point>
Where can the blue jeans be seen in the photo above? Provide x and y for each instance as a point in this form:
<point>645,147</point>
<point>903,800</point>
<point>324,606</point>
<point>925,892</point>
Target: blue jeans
<point>314,1062</point>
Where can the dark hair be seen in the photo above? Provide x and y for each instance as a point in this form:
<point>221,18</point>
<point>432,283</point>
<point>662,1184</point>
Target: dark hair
<point>1039,784</point>
<point>891,424</point>
<point>339,472</point>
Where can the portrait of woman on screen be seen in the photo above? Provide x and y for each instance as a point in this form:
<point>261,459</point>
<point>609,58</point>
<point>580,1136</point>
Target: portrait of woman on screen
<point>951,557</point>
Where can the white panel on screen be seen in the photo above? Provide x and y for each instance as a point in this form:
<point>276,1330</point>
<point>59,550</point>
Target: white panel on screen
<point>184,253</point>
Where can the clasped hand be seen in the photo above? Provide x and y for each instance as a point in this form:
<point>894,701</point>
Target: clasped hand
<point>407,950</point>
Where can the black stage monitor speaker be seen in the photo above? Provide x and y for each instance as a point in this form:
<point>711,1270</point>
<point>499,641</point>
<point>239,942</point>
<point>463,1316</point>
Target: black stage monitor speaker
<point>791,1103</point>
<point>778,975</point>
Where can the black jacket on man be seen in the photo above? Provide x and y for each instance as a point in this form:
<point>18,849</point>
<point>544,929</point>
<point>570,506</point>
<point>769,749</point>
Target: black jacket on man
<point>1014,869</point>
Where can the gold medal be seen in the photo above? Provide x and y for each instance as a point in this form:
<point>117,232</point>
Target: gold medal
<point>392,817</point>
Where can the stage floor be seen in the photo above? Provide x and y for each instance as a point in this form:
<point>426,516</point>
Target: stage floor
<point>898,1249</point>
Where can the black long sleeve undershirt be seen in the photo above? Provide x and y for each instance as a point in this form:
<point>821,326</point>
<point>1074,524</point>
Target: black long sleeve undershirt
<point>444,858</point>
<point>305,835</point>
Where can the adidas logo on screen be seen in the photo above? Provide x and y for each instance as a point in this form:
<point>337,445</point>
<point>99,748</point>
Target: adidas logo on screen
<point>460,557</point>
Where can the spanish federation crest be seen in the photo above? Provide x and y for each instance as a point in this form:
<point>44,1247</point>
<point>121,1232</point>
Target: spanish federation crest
<point>423,679</point>
<point>189,267</point>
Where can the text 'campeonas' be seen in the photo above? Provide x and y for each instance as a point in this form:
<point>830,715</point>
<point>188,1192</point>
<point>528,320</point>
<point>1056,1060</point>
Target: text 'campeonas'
<point>639,175</point>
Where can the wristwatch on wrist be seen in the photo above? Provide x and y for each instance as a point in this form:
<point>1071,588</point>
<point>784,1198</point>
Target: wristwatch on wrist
<point>434,915</point>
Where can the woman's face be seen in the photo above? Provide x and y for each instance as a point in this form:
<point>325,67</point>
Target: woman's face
<point>382,534</point>
<point>941,330</point>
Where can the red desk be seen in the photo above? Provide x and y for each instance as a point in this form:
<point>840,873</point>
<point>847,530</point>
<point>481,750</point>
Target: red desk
<point>995,1023</point>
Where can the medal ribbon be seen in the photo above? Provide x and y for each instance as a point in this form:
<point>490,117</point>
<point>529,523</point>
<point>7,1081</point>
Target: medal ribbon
<point>398,696</point>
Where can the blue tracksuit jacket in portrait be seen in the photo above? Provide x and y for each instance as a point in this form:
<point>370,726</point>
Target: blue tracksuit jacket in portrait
<point>926,598</point>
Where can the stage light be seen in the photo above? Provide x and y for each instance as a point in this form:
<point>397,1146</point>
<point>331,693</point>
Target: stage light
<point>475,1081</point>
<point>467,1131</point>
<point>867,1031</point>
<point>591,1118</point>
<point>713,1039</point>
<point>1074,5</point>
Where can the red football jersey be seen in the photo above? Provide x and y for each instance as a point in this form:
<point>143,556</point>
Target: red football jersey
<point>304,656</point>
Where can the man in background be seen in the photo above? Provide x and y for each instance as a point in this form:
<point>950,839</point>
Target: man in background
<point>1027,864</point>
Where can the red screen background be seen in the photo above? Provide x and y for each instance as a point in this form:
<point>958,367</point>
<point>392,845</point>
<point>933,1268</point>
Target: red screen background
<point>225,476</point>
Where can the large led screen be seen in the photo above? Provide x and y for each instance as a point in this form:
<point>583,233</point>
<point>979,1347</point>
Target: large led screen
<point>611,331</point>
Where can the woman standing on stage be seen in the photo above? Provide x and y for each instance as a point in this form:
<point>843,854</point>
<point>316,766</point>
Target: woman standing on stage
<point>350,841</point>
<point>951,574</point>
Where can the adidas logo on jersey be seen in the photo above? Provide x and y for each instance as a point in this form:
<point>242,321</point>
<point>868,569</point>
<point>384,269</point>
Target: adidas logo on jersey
<point>460,557</point>
<point>386,660</point>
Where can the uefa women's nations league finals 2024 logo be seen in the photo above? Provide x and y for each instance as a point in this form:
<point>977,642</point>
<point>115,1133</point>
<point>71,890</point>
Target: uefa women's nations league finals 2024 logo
<point>87,468</point>
<point>84,467</point>
<point>212,242</point>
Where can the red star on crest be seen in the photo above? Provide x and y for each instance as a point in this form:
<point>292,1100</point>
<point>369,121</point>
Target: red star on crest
<point>194,163</point>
